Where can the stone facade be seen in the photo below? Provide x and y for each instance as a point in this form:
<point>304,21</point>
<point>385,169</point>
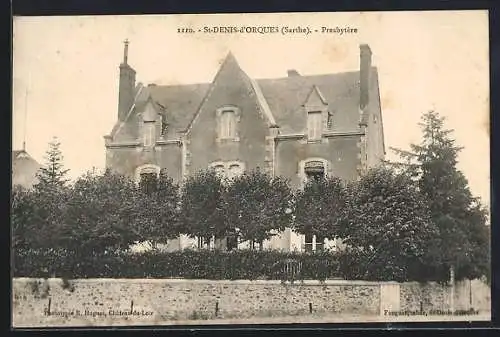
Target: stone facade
<point>158,301</point>
<point>238,123</point>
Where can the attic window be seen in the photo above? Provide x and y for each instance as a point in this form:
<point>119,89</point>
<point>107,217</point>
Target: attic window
<point>228,125</point>
<point>314,125</point>
<point>227,122</point>
<point>149,133</point>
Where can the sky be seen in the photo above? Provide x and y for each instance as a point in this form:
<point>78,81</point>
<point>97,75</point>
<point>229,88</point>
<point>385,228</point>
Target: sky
<point>65,72</point>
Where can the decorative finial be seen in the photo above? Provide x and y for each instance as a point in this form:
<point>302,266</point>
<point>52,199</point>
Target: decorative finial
<point>125,51</point>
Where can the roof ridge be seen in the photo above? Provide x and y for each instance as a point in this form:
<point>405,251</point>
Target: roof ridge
<point>309,76</point>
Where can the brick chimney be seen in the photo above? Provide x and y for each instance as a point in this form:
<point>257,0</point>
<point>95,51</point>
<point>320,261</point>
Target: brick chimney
<point>126,89</point>
<point>365,65</point>
<point>292,73</point>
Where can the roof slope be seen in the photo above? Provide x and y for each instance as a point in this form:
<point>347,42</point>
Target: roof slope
<point>24,169</point>
<point>282,100</point>
<point>287,95</point>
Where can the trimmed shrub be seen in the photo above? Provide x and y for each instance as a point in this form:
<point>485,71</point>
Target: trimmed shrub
<point>189,264</point>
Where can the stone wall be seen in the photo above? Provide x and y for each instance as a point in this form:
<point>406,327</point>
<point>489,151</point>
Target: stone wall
<point>110,301</point>
<point>467,295</point>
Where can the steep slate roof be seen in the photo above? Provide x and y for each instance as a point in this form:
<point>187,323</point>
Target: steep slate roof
<point>24,168</point>
<point>287,95</point>
<point>180,102</point>
<point>284,97</point>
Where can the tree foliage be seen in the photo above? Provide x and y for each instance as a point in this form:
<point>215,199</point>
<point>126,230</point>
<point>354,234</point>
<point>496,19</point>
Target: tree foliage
<point>37,215</point>
<point>53,174</point>
<point>462,241</point>
<point>389,226</point>
<point>103,214</point>
<point>23,217</point>
<point>202,206</point>
<point>158,210</point>
<point>258,205</point>
<point>320,208</point>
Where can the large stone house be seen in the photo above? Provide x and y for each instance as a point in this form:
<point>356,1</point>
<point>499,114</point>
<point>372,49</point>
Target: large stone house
<point>24,169</point>
<point>297,126</point>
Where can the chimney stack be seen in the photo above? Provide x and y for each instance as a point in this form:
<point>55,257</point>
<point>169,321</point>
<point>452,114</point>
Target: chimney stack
<point>365,65</point>
<point>293,73</point>
<point>126,90</point>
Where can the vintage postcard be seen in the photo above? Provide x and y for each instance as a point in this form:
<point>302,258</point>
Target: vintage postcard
<point>250,169</point>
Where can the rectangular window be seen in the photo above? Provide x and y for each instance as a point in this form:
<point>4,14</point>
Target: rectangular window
<point>149,134</point>
<point>314,125</point>
<point>227,125</point>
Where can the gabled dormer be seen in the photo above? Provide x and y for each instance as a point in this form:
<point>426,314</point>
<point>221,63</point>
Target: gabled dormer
<point>316,108</point>
<point>151,120</point>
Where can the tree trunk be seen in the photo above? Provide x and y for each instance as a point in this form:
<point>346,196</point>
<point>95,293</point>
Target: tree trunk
<point>261,245</point>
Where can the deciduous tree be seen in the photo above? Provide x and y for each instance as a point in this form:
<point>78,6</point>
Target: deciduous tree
<point>389,227</point>
<point>202,207</point>
<point>320,208</point>
<point>103,214</point>
<point>258,205</point>
<point>159,210</point>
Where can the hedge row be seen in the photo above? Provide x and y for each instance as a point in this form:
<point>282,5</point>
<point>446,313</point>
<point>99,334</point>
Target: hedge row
<point>203,264</point>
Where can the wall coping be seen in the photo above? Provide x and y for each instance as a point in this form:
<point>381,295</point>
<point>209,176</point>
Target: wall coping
<point>202,281</point>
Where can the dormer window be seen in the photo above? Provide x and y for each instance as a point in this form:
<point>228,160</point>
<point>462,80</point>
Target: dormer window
<point>149,134</point>
<point>316,108</point>
<point>314,125</point>
<point>227,125</point>
<point>227,119</point>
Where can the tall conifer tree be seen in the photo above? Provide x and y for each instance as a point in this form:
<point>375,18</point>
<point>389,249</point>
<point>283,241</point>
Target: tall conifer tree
<point>463,241</point>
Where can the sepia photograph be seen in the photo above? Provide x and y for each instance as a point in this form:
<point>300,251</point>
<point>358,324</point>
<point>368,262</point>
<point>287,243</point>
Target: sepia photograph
<point>272,168</point>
